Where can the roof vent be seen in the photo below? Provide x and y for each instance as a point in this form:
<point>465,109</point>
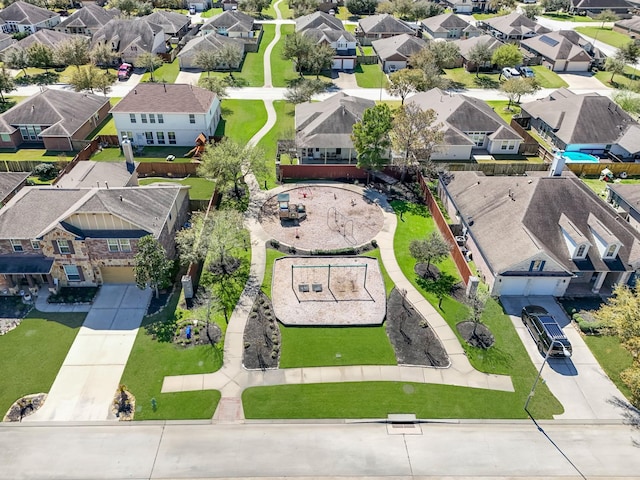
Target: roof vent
<point>135,91</point>
<point>120,197</point>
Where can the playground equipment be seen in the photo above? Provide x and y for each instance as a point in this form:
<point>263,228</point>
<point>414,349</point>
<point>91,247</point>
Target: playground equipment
<point>288,210</point>
<point>197,151</point>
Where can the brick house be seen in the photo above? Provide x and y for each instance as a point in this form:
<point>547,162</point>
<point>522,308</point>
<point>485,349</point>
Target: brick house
<point>84,236</point>
<point>54,118</point>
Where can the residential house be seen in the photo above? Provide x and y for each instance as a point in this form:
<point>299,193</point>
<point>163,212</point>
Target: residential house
<point>394,52</point>
<point>229,5</point>
<point>540,234</point>
<point>48,38</point>
<point>10,184</point>
<point>625,198</point>
<point>318,20</point>
<point>449,26</point>
<point>84,236</point>
<point>174,24</point>
<point>323,129</point>
<point>558,52</point>
<point>166,114</point>
<point>87,20</point>
<point>6,41</point>
<point>466,47</point>
<point>325,29</point>
<point>130,38</point>
<point>629,26</point>
<point>460,6</point>
<point>238,25</point>
<point>512,27</point>
<point>53,119</point>
<point>589,123</point>
<point>382,26</point>
<point>470,126</point>
<point>22,17</point>
<point>593,7</point>
<point>212,42</point>
<point>88,174</point>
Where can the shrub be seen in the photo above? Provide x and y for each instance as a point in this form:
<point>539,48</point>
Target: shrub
<point>45,171</point>
<point>588,325</point>
<point>374,243</point>
<point>275,244</point>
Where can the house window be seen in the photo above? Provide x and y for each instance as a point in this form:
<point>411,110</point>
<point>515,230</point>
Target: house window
<point>152,118</point>
<point>143,117</point>
<point>160,137</point>
<point>160,118</point>
<point>113,245</point>
<point>503,146</point>
<point>149,137</point>
<point>611,250</point>
<point>125,245</point>
<point>63,246</point>
<point>119,245</point>
<point>536,266</point>
<point>192,118</point>
<point>17,245</point>
<point>581,251</point>
<point>172,138</point>
<point>129,135</point>
<point>338,151</point>
<point>35,244</point>
<point>132,117</point>
<point>5,137</point>
<point>72,272</point>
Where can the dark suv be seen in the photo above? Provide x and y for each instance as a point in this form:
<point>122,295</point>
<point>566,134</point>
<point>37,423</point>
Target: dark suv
<point>545,331</point>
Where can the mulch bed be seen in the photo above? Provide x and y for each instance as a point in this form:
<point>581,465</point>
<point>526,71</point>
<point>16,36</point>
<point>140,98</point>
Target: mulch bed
<point>482,338</point>
<point>74,295</point>
<point>124,408</point>
<point>24,407</point>
<point>196,332</point>
<point>458,291</point>
<point>413,340</point>
<point>12,311</point>
<point>157,304</point>
<point>261,336</point>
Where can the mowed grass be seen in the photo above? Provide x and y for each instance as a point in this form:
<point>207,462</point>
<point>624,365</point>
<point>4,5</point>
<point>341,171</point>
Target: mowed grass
<point>628,79</point>
<point>285,11</point>
<point>149,154</point>
<point>371,76</point>
<point>612,357</point>
<point>606,35</point>
<point>282,71</point>
<point>241,119</point>
<point>201,188</point>
<point>501,107</point>
<point>166,73</point>
<point>32,354</point>
<point>211,12</point>
<point>283,129</point>
<point>272,255</point>
<point>565,17</point>
<point>548,79</point>
<point>35,154</point>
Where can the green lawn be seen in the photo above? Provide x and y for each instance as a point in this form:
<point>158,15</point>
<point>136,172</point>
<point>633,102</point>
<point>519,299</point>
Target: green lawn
<point>500,107</point>
<point>350,28</point>
<point>612,358</point>
<point>211,12</point>
<point>167,73</point>
<point>388,283</point>
<point>283,129</point>
<point>367,50</point>
<point>565,17</point>
<point>63,76</point>
<point>600,187</point>
<point>284,10</point>
<point>282,71</point>
<point>241,119</point>
<point>371,76</point>
<point>548,79</point>
<point>32,354</point>
<point>149,154</point>
<point>461,79</point>
<point>606,35</point>
<point>36,154</point>
<point>107,127</point>
<point>201,188</point>
<point>484,16</point>
<point>344,14</point>
<point>629,79</point>
<point>272,255</point>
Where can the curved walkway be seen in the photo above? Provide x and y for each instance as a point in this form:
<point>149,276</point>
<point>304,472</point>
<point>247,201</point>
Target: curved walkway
<point>267,53</point>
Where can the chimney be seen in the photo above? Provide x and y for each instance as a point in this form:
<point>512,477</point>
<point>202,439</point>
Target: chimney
<point>557,165</point>
<point>106,185</point>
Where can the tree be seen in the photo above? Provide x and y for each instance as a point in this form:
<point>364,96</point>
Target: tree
<point>403,9</point>
<point>414,135</point>
<point>556,5</point>
<point>253,6</point>
<point>629,101</point>
<point>606,16</point>
<point>361,7</point>
<point>371,138</point>
<point>405,81</point>
<point>216,85</point>
<point>480,54</point>
<point>102,55</point>
<point>149,61</point>
<point>425,9</point>
<point>229,162</point>
<point>73,52</point>
<point>303,7</point>
<point>231,56</point>
<point>515,88</point>
<point>385,6</point>
<point>207,60</point>
<point>477,304</point>
<point>629,52</point>
<point>319,59</point>
<point>303,90</point>
<point>132,7</point>
<point>103,81</point>
<point>496,5</point>
<point>40,56</point>
<point>17,58</point>
<point>433,248</point>
<point>615,65</point>
<point>506,55</point>
<point>86,78</point>
<point>151,268</point>
<point>297,48</point>
<point>6,83</point>
<point>425,60</point>
<point>531,11</point>
<point>444,53</point>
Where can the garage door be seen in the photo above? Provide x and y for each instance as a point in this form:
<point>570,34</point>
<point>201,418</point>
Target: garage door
<point>511,286</point>
<point>348,64</point>
<point>541,286</point>
<point>117,275</point>
<point>336,64</point>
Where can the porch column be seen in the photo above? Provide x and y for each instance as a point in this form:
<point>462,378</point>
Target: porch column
<point>30,281</point>
<point>623,278</point>
<point>9,281</point>
<point>50,280</point>
<point>599,281</point>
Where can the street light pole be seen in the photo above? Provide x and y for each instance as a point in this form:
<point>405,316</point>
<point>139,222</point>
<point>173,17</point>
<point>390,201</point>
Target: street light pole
<point>565,352</point>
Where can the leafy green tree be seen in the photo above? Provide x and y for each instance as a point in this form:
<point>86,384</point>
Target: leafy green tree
<point>477,304</point>
<point>497,5</point>
<point>506,55</point>
<point>480,54</point>
<point>531,11</point>
<point>403,9</point>
<point>615,65</point>
<point>606,16</point>
<point>385,6</point>
<point>231,56</point>
<point>207,60</point>
<point>214,84</point>
<point>74,51</point>
<point>303,7</point>
<point>444,53</point>
<point>425,61</point>
<point>149,61</point>
<point>556,5</point>
<point>629,52</point>
<point>297,48</point>
<point>227,163</point>
<point>40,56</point>
<point>85,78</point>
<point>6,83</point>
<point>515,88</point>
<point>253,6</point>
<point>405,81</point>
<point>151,268</point>
<point>102,55</point>
<point>431,249</point>
<point>371,138</point>
<point>629,101</point>
<point>132,7</point>
<point>17,58</point>
<point>425,9</point>
<point>361,7</point>
<point>319,59</point>
<point>103,81</point>
<point>303,90</point>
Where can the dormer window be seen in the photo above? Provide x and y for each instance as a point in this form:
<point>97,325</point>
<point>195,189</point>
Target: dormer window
<point>581,251</point>
<point>536,265</point>
<point>611,251</point>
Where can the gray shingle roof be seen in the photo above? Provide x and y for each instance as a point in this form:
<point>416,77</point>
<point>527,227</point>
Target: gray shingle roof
<point>49,38</point>
<point>444,22</point>
<point>632,24</point>
<point>90,174</point>
<point>515,24</point>
<point>319,20</point>
<point>586,118</point>
<point>467,44</point>
<point>166,98</point>
<point>512,230</point>
<point>630,139</point>
<point>556,46</point>
<point>602,4</point>
<point>384,23</point>
<point>328,36</point>
<point>232,20</point>
<point>630,193</point>
<point>138,34</point>
<point>9,181</point>
<point>328,124</point>
<point>171,22</point>
<point>404,45</point>
<point>60,111</point>
<point>90,16</point>
<point>212,41</point>
<point>26,13</point>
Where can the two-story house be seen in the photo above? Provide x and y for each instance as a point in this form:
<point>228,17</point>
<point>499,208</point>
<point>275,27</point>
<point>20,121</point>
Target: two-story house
<point>87,20</point>
<point>384,25</point>
<point>325,29</point>
<point>449,26</point>
<point>130,38</point>
<point>84,236</point>
<point>174,24</point>
<point>166,114</point>
<point>22,17</point>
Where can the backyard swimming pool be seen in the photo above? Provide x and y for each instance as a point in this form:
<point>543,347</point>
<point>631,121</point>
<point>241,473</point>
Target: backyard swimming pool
<point>579,157</point>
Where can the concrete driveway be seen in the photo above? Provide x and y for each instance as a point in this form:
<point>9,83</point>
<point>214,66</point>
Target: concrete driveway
<point>582,81</point>
<point>579,383</point>
<point>87,381</point>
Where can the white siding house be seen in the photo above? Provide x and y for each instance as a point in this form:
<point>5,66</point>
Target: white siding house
<point>27,18</point>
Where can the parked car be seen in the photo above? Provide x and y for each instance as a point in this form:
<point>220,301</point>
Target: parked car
<point>546,332</point>
<point>192,9</point>
<point>526,72</point>
<point>124,71</point>
<point>510,72</point>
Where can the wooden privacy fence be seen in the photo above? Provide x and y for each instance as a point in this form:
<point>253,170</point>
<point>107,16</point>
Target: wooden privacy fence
<point>594,169</point>
<point>166,169</point>
<point>498,167</point>
<point>333,172</point>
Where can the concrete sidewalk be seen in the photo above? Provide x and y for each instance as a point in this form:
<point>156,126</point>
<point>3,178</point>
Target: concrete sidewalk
<point>89,377</point>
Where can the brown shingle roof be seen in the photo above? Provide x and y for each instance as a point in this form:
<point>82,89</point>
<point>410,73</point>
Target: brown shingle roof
<point>166,98</point>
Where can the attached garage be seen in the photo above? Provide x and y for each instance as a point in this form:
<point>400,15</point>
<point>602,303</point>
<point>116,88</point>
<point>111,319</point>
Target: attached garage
<point>529,286</point>
<point>343,64</point>
<point>117,275</point>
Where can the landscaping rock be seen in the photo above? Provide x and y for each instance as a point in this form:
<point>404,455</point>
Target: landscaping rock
<point>262,338</point>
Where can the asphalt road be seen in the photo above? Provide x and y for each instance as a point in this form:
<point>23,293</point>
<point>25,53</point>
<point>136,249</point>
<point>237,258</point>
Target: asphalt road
<point>435,450</point>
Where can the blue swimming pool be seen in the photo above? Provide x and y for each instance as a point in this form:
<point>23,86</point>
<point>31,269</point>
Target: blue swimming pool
<point>579,157</point>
